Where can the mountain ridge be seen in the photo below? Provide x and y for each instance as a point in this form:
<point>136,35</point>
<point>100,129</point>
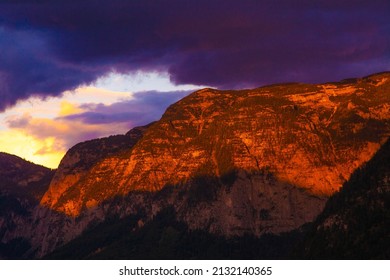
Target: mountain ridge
<point>228,163</point>
<point>193,137</point>
<point>19,176</point>
<point>83,156</point>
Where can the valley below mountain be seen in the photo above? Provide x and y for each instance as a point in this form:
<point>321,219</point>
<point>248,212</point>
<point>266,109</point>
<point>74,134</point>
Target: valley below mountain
<point>223,174</point>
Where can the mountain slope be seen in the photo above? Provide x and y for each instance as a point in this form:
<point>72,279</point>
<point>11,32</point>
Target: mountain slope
<point>82,157</point>
<point>23,178</point>
<point>166,238</point>
<point>22,185</point>
<point>355,223</point>
<point>310,137</point>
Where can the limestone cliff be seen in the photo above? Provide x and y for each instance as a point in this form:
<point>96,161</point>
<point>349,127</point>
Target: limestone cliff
<point>311,137</point>
<point>78,161</point>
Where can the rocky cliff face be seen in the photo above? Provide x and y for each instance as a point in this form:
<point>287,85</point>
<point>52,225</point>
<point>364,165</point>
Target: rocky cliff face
<point>77,163</point>
<point>311,137</point>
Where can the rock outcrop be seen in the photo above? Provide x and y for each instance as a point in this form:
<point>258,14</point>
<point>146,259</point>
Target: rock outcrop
<point>311,137</point>
<point>77,163</point>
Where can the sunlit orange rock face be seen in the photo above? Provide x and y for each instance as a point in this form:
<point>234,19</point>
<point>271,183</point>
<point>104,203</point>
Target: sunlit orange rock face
<point>311,137</point>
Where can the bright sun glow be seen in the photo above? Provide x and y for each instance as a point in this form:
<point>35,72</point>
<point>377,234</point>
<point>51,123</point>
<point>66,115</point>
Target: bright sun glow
<point>19,143</point>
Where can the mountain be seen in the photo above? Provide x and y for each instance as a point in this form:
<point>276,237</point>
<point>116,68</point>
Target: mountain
<point>272,155</point>
<point>355,223</point>
<point>22,178</point>
<point>229,168</point>
<point>22,185</point>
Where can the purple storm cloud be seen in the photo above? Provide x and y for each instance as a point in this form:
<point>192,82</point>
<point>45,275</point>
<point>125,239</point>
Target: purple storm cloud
<point>47,47</point>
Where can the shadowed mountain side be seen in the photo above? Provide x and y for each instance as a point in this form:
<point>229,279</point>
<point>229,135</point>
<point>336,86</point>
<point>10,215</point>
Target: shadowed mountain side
<point>22,185</point>
<point>164,237</point>
<point>22,178</point>
<point>355,223</point>
<point>235,205</point>
<point>233,211</point>
<point>242,203</point>
<point>41,230</point>
<point>310,136</point>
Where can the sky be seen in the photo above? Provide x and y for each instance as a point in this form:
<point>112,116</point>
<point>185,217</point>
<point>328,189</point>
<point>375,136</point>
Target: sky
<point>76,70</point>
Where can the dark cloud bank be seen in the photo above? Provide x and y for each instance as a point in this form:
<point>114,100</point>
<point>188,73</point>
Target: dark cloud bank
<point>47,47</point>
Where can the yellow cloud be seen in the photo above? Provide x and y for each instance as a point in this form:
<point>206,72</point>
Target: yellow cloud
<point>68,108</point>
